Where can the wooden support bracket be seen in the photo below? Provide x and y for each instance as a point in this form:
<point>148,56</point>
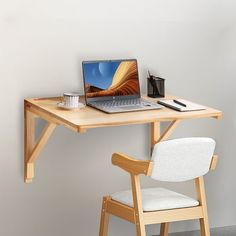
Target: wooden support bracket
<point>156,135</point>
<point>169,130</point>
<point>32,149</point>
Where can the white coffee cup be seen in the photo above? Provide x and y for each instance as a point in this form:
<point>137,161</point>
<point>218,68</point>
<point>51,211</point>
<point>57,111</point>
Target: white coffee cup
<point>71,100</point>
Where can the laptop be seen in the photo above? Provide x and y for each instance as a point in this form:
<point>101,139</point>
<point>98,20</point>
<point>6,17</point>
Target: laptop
<point>113,86</point>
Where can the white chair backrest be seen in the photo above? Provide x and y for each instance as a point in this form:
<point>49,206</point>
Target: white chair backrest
<point>182,159</point>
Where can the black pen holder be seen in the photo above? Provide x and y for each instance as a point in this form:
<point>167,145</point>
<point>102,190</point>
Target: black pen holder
<point>155,87</point>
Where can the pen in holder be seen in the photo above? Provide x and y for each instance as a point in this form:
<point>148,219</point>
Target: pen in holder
<point>155,86</point>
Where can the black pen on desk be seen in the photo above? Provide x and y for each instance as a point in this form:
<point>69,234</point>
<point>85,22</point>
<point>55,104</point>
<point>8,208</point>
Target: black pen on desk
<point>179,103</point>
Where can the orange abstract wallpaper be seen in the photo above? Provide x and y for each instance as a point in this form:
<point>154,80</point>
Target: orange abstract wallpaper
<point>124,82</point>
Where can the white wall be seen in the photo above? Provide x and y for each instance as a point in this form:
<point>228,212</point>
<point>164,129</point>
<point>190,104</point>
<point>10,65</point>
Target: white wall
<point>42,43</point>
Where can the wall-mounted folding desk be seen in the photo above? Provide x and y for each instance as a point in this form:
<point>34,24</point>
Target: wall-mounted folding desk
<point>88,118</point>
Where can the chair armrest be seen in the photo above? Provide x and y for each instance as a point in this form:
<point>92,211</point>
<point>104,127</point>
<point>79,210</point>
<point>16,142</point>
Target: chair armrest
<point>214,161</point>
<point>132,165</point>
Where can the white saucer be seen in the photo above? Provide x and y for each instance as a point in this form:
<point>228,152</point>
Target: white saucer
<point>62,105</point>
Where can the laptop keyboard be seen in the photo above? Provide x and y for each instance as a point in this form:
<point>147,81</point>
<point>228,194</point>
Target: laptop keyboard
<point>136,104</point>
<point>121,103</point>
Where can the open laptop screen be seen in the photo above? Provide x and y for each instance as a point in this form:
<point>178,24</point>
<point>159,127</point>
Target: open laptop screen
<point>105,80</point>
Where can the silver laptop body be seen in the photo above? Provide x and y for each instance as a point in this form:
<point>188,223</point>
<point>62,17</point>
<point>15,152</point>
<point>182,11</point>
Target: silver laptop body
<point>113,86</point>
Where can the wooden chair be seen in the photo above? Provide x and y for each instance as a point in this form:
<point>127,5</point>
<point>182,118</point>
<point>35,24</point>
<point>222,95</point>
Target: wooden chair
<point>174,161</point>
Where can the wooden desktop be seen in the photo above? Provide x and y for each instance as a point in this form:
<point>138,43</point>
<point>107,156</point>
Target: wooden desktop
<point>86,118</point>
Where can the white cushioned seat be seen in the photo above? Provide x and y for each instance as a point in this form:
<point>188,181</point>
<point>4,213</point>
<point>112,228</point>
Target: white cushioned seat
<point>154,199</point>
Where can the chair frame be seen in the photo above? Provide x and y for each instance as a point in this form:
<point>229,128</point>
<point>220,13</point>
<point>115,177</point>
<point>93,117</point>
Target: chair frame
<point>137,216</point>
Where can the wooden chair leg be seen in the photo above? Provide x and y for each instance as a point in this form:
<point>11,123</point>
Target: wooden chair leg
<point>204,226</point>
<point>138,209</point>
<point>140,229</point>
<point>104,218</point>
<point>164,229</point>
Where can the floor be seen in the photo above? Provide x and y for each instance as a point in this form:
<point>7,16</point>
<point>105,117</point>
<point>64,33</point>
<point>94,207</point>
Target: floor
<point>224,231</point>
